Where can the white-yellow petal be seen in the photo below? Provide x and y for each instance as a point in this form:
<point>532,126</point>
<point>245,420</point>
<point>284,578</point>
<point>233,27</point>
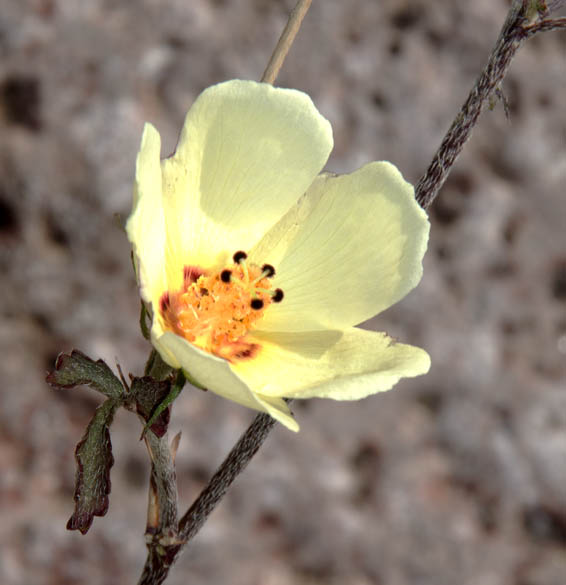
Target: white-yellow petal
<point>277,408</point>
<point>247,152</point>
<point>343,365</point>
<point>146,225</point>
<point>352,247</point>
<point>216,375</point>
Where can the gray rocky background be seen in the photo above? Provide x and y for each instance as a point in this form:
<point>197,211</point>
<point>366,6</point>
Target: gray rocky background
<point>456,478</point>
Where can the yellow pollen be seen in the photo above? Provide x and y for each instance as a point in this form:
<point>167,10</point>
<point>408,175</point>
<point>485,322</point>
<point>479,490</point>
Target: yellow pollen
<point>214,314</point>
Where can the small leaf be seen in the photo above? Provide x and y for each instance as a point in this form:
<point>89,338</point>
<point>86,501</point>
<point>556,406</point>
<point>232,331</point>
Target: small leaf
<point>76,368</point>
<point>94,459</point>
<point>148,394</point>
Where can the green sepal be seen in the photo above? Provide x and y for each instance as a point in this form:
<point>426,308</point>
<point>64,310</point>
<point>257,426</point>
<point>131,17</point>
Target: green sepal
<point>156,367</point>
<point>144,317</point>
<point>148,394</point>
<point>164,404</point>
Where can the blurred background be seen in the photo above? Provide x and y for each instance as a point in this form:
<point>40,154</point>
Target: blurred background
<point>457,477</point>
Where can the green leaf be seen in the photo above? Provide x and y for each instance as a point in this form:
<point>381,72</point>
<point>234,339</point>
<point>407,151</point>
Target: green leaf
<point>94,459</point>
<point>76,368</point>
<point>148,394</point>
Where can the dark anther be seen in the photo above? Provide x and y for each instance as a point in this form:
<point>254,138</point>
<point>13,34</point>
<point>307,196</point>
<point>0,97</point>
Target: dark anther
<point>239,256</point>
<point>225,276</point>
<point>204,292</point>
<point>269,269</point>
<point>257,304</point>
<point>278,296</point>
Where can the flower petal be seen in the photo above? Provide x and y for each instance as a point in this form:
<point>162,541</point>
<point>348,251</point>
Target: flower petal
<point>358,250</point>
<point>216,375</point>
<point>277,408</point>
<point>146,225</point>
<point>343,365</point>
<point>247,152</point>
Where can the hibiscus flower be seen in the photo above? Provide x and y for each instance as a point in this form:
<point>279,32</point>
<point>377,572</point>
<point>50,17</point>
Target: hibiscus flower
<point>256,267</point>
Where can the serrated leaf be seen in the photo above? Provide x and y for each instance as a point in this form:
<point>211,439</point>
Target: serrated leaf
<point>76,368</point>
<point>148,394</point>
<point>94,459</point>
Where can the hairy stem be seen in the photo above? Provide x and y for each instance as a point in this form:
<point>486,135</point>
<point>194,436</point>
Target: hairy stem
<point>162,513</point>
<point>546,26</point>
<point>162,505</point>
<point>157,564</point>
<point>510,38</point>
<point>154,571</point>
<point>231,467</point>
<point>523,21</point>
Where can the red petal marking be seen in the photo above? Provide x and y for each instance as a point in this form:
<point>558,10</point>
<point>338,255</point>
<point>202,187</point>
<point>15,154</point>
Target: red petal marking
<point>192,273</point>
<point>238,351</point>
<point>164,302</point>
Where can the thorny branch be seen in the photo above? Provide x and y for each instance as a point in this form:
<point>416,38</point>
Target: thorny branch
<point>525,19</point>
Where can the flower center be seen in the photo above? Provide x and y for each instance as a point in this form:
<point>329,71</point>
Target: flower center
<point>215,310</point>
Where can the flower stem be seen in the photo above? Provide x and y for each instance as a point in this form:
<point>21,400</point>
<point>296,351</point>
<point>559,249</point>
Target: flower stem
<point>240,455</point>
<point>159,559</point>
<point>285,41</point>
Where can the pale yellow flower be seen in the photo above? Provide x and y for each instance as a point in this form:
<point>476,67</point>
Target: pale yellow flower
<point>257,267</point>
